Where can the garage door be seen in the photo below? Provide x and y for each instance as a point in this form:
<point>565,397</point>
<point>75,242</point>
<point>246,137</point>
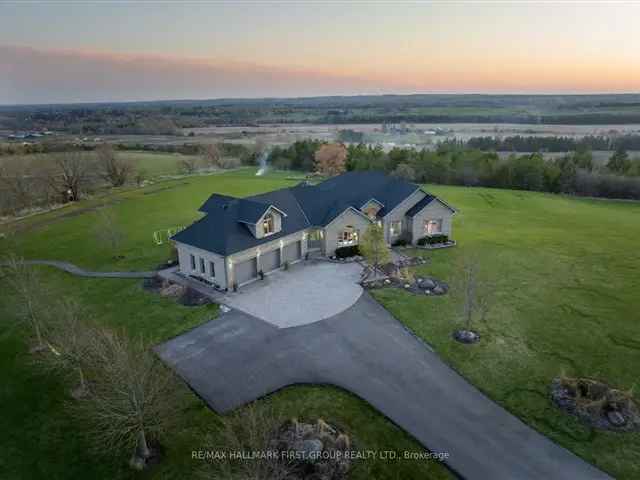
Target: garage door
<point>293,251</point>
<point>246,271</point>
<point>270,260</point>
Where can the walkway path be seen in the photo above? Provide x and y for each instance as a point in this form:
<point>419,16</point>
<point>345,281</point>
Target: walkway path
<point>238,358</point>
<point>75,270</point>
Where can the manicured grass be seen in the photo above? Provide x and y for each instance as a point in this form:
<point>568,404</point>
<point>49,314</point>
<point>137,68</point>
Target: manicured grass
<point>566,300</point>
<point>41,440</point>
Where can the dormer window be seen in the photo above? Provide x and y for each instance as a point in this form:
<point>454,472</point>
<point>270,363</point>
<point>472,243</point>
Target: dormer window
<point>268,224</point>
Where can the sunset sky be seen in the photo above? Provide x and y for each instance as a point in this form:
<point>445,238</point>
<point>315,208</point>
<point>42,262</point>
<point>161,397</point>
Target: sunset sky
<point>111,51</point>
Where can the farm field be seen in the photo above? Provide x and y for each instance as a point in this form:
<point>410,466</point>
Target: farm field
<point>566,300</point>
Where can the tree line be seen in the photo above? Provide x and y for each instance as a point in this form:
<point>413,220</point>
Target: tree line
<point>453,164</point>
<point>523,143</point>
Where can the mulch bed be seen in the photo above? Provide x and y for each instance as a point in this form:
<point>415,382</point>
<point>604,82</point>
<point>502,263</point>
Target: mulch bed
<point>186,296</point>
<point>596,404</point>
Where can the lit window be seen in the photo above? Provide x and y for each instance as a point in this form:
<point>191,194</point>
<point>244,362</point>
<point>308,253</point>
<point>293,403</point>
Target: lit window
<point>349,236</point>
<point>268,224</point>
<point>432,227</point>
<point>395,228</point>
<point>212,269</point>
<point>193,262</point>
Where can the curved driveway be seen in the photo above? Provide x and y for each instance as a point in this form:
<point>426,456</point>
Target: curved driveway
<point>237,358</point>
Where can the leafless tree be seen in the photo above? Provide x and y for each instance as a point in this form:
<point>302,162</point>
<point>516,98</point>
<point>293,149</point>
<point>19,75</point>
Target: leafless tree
<point>249,429</point>
<point>189,163</point>
<point>30,295</point>
<point>133,398</point>
<point>69,338</point>
<point>140,176</point>
<point>71,173</point>
<point>211,155</point>
<point>21,186</point>
<point>108,231</point>
<point>475,292</point>
<point>114,169</point>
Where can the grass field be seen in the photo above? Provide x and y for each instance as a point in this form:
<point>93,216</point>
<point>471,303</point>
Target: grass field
<point>567,299</point>
<point>566,272</point>
<point>40,440</point>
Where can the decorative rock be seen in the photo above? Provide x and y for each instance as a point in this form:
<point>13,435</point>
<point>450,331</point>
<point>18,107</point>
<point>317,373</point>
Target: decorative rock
<point>616,418</point>
<point>387,281</point>
<point>224,308</point>
<point>439,290</point>
<point>406,285</point>
<point>466,336</point>
<point>311,449</point>
<point>428,283</point>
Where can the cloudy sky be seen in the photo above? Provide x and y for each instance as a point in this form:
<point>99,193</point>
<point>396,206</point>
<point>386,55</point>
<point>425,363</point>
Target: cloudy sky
<point>62,51</point>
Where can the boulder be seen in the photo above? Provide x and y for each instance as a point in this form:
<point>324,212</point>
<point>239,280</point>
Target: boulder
<point>427,283</point>
<point>439,290</point>
<point>616,418</point>
<point>310,449</point>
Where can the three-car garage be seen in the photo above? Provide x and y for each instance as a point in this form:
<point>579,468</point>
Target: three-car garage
<point>247,270</point>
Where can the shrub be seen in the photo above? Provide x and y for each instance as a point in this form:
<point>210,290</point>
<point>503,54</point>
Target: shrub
<point>345,252</point>
<point>401,242</point>
<point>433,240</point>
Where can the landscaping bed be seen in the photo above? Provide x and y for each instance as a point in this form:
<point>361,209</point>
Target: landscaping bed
<point>596,404</point>
<point>186,296</point>
<point>418,286</point>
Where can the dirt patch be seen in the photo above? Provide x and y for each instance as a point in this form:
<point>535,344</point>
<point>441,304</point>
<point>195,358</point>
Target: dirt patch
<point>596,404</point>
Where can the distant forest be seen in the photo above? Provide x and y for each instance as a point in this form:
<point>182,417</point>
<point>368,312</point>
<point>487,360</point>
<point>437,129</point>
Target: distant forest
<point>167,117</point>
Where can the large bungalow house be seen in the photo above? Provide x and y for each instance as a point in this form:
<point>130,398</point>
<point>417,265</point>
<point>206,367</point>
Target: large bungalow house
<point>240,237</point>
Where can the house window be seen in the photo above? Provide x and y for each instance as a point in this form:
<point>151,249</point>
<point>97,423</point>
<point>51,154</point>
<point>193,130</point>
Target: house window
<point>202,265</point>
<point>433,227</point>
<point>348,236</point>
<point>395,228</point>
<point>193,262</point>
<point>268,224</point>
<point>212,269</point>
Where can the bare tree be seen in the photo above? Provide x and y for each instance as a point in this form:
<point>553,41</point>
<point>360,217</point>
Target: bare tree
<point>108,231</point>
<point>475,292</point>
<point>133,397</point>
<point>188,163</point>
<point>114,169</point>
<point>71,173</point>
<point>252,428</point>
<point>30,295</point>
<point>140,176</point>
<point>69,339</point>
<point>211,155</point>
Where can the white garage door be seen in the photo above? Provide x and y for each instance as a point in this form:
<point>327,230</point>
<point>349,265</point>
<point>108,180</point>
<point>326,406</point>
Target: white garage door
<point>293,251</point>
<point>270,260</point>
<point>246,271</point>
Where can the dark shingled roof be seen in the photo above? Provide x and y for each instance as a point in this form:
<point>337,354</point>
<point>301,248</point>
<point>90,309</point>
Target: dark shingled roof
<point>222,229</point>
<point>325,201</point>
<point>420,205</point>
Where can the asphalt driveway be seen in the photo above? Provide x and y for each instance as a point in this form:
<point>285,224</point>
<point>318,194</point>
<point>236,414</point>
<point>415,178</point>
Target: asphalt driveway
<point>238,358</point>
<point>305,293</point>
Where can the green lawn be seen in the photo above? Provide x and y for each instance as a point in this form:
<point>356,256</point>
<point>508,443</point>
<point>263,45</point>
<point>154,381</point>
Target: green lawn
<point>567,299</point>
<point>40,440</point>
